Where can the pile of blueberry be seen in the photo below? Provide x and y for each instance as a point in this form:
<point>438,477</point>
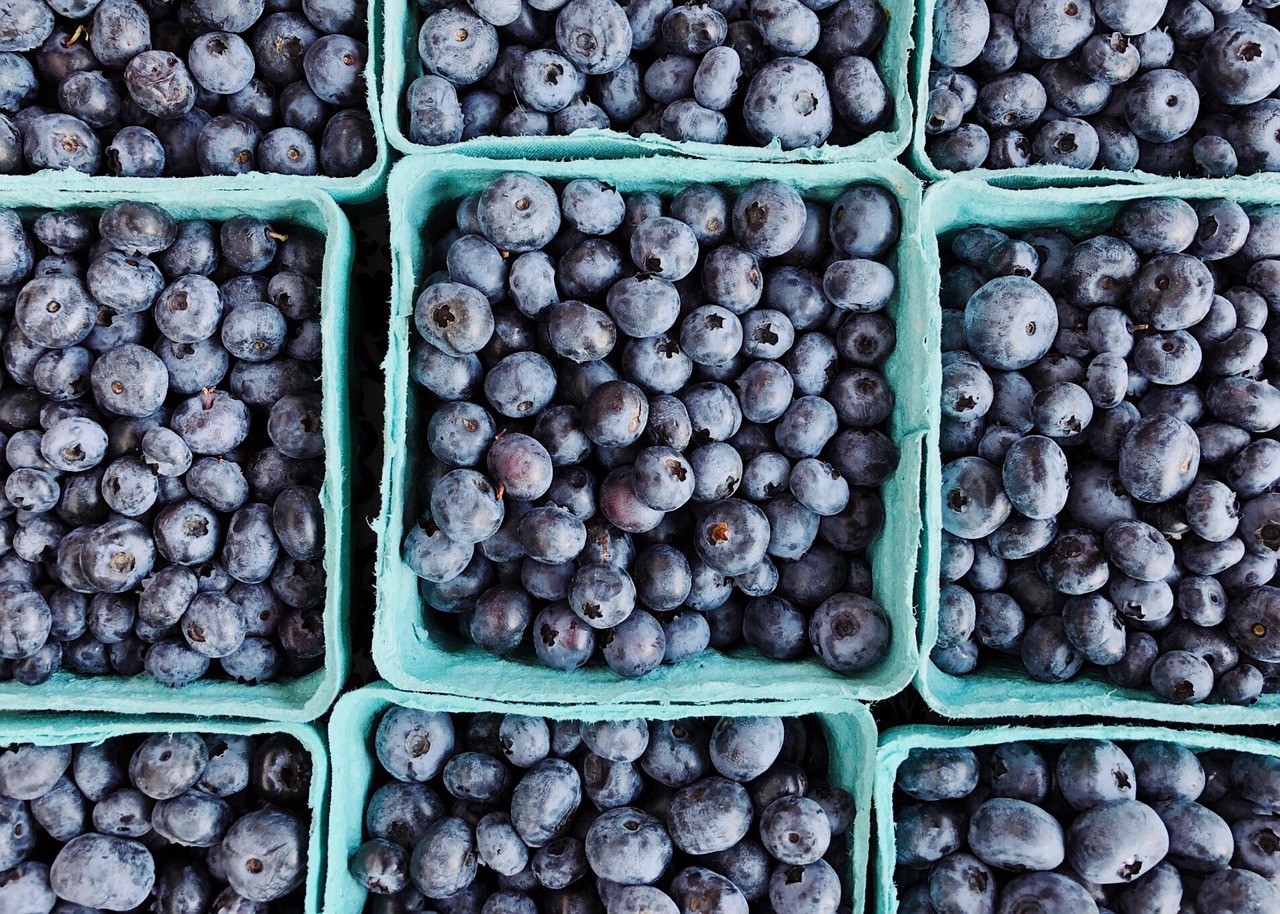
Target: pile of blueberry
<point>508,814</point>
<point>144,88</point>
<point>1087,827</point>
<point>160,423</point>
<point>1110,463</point>
<point>653,433</point>
<point>1165,86</point>
<point>728,71</point>
<point>173,823</point>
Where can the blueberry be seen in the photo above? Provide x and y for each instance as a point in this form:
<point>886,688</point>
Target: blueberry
<point>1041,888</point>
<point>849,633</point>
<point>544,801</point>
<point>54,311</point>
<point>1094,772</point>
<point>1199,839</point>
<point>454,317</point>
<point>628,846</point>
<point>264,853</point>
<point>1237,890</point>
<point>636,646</point>
<point>1116,842</point>
<point>287,151</point>
<point>193,819</point>
<point>31,24</point>
<point>708,816</point>
<point>519,213</point>
<point>475,776</point>
<point>594,35</point>
<point>546,81</point>
<point>457,45</point>
<point>644,305</point>
<point>413,745</point>
<point>348,146</point>
<point>960,31</point>
<point>938,774</point>
<point>560,639</point>
<point>991,836</point>
<point>633,899</point>
<point>381,866</point>
<point>665,247</point>
<point>227,145</point>
<point>159,84</point>
<point>1010,301</point>
<point>1238,62</point>
<point>1159,458</point>
<point>1161,106</point>
<point>125,872</point>
<point>687,121</point>
<point>1035,477</point>
<point>1127,17</point>
<point>1069,142</point>
<point>813,887</point>
<point>769,218</point>
<point>90,97</point>
<point>963,881</point>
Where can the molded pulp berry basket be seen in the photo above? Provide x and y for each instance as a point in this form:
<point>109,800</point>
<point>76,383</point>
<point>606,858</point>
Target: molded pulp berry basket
<point>1000,687</point>
<point>847,725</point>
<point>417,656</point>
<point>62,729</point>
<point>896,746</point>
<point>402,65</point>
<point>307,697</point>
<point>360,188</point>
<point>1031,176</point>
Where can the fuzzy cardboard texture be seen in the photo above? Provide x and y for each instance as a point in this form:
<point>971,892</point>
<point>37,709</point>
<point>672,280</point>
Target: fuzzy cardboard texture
<point>847,726</point>
<point>1000,687</point>
<point>1031,176</point>
<point>402,65</point>
<point>416,656</point>
<point>896,745</point>
<point>59,730</point>
<point>360,188</point>
<point>300,699</point>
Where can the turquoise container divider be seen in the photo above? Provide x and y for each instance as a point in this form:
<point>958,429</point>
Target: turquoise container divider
<point>414,656</point>
<point>1000,688</point>
<point>896,745</point>
<point>402,65</point>
<point>847,725</point>
<point>64,729</point>
<point>306,697</point>
<point>1031,176</point>
<point>360,188</point>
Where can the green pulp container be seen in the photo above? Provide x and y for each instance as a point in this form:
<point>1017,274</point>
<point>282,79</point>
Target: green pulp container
<point>896,745</point>
<point>416,656</point>
<point>303,698</point>
<point>1031,176</point>
<point>847,725</point>
<point>367,185</point>
<point>65,729</point>
<point>402,65</point>
<point>1000,687</point>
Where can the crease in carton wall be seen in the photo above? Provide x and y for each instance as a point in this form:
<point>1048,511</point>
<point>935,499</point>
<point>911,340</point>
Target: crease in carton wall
<point>896,745</point>
<point>1001,688</point>
<point>367,185</point>
<point>416,657</point>
<point>306,697</point>
<point>402,65</point>
<point>847,725</point>
<point>59,730</point>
